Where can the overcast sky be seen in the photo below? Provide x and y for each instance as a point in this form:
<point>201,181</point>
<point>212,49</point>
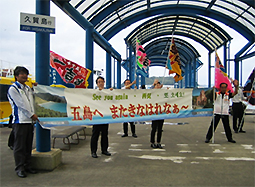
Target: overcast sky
<point>18,47</point>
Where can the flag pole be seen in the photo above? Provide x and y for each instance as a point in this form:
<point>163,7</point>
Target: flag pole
<point>214,99</point>
<point>164,75</point>
<point>167,58</point>
<point>136,42</point>
<point>166,64</point>
<point>245,108</point>
<point>213,115</point>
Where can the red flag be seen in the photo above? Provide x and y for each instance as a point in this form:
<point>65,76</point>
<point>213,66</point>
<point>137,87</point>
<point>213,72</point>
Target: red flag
<point>220,75</point>
<point>69,71</point>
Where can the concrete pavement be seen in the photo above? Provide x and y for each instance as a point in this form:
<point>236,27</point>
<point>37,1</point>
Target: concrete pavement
<point>185,160</point>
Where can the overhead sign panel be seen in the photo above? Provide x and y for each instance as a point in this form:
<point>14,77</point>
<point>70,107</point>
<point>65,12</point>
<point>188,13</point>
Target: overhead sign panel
<point>37,23</point>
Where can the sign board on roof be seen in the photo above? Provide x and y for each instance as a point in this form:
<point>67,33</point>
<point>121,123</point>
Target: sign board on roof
<point>37,23</point>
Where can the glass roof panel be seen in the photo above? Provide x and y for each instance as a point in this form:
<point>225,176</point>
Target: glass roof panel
<point>213,38</point>
<point>167,18</point>
<point>219,39</point>
<point>224,11</point>
<point>107,22</point>
<point>85,5</point>
<point>162,3</point>
<point>74,2</point>
<point>126,9</point>
<point>239,3</point>
<point>133,11</point>
<point>110,25</point>
<point>230,6</point>
<point>184,31</point>
<point>252,11</point>
<point>197,3</point>
<point>93,10</point>
<point>184,26</point>
<point>249,17</point>
<point>200,29</point>
<point>210,45</point>
<point>247,24</point>
<point>208,1</point>
<point>196,32</point>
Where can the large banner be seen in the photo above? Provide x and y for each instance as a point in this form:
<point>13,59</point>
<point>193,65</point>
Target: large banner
<point>68,106</point>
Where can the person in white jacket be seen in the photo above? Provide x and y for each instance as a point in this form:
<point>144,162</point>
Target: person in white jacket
<point>221,111</point>
<point>22,102</point>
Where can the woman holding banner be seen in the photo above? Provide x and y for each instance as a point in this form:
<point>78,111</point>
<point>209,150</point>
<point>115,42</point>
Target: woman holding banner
<point>125,124</point>
<point>156,126</point>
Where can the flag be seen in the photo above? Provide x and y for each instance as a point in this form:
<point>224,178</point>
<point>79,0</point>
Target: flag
<point>142,60</point>
<point>249,88</point>
<point>220,75</point>
<point>71,74</point>
<point>174,62</point>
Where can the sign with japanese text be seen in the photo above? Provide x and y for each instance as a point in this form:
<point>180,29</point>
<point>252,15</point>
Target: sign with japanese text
<point>37,23</point>
<point>68,73</point>
<point>68,106</point>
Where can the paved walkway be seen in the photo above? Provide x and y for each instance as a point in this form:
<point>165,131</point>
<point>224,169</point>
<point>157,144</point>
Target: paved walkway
<point>185,160</point>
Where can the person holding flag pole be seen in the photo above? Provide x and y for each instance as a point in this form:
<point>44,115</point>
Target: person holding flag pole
<point>238,111</point>
<point>249,92</point>
<point>221,101</point>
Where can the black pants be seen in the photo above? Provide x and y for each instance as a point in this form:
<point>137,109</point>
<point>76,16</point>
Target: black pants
<point>156,126</point>
<point>95,135</point>
<point>125,127</point>
<point>11,136</point>
<point>23,140</point>
<point>238,112</point>
<point>11,139</point>
<point>225,121</point>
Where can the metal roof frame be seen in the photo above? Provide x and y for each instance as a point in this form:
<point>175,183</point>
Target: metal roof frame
<point>109,16</point>
<point>202,30</point>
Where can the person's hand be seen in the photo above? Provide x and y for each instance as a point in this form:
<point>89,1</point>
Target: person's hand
<point>236,83</point>
<point>134,82</point>
<point>111,89</point>
<point>35,83</point>
<point>35,117</point>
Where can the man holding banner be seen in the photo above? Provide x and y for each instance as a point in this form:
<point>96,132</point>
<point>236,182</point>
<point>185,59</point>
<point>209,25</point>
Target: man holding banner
<point>221,111</point>
<point>103,128</point>
<point>125,124</point>
<point>21,98</point>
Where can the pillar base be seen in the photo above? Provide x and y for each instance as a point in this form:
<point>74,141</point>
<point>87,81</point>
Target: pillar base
<point>46,160</point>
